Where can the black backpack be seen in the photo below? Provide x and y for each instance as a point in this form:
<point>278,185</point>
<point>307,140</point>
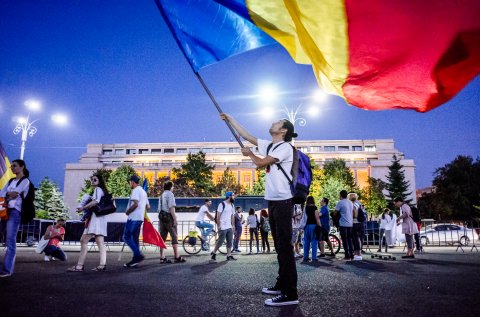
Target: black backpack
<point>28,206</point>
<point>361,214</point>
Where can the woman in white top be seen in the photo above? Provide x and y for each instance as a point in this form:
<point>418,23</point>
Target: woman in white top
<point>13,192</point>
<point>96,227</point>
<point>385,222</point>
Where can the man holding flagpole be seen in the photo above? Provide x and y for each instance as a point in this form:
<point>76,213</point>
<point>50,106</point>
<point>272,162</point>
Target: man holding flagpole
<point>280,202</point>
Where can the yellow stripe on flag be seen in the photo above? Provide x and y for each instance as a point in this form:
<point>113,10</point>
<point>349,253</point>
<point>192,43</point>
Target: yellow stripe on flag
<point>313,32</point>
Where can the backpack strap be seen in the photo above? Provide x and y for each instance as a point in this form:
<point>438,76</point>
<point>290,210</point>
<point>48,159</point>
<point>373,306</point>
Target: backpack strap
<point>279,166</point>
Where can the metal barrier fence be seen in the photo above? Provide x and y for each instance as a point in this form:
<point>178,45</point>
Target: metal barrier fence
<point>446,233</point>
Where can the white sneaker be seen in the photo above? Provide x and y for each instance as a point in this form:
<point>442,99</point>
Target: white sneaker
<point>357,258</point>
<point>298,255</point>
<point>46,258</point>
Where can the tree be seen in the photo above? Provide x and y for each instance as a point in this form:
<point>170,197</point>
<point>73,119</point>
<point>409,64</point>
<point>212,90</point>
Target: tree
<point>338,169</point>
<point>259,185</point>
<point>228,182</point>
<point>318,180</point>
<point>397,186</point>
<point>117,184</point>
<point>49,201</point>
<point>331,189</point>
<point>457,186</point>
<point>196,173</point>
<point>372,196</point>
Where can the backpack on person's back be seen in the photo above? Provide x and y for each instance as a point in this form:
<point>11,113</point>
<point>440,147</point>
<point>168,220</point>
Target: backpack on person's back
<point>362,214</point>
<point>265,225</point>
<point>300,177</point>
<point>223,208</point>
<point>28,206</point>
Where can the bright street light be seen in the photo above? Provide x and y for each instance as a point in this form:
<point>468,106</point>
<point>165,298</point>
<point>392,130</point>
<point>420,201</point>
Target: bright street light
<point>268,93</point>
<point>26,127</point>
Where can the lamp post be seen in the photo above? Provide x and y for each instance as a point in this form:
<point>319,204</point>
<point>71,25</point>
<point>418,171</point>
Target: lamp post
<point>26,127</point>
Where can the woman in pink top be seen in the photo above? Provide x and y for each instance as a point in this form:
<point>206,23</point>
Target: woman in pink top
<point>55,234</point>
<point>409,227</point>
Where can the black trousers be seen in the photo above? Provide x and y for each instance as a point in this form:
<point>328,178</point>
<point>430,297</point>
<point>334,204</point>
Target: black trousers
<point>347,241</point>
<point>265,243</point>
<point>280,215</point>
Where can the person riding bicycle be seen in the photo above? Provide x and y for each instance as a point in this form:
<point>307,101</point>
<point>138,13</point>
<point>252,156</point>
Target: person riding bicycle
<point>205,227</point>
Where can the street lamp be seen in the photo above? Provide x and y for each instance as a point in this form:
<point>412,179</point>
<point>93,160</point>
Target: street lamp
<point>26,127</point>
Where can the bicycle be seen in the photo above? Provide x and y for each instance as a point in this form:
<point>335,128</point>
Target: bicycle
<point>193,243</point>
<point>336,242</point>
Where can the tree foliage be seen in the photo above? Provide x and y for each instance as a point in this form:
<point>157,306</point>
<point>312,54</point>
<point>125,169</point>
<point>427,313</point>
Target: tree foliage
<point>331,189</point>
<point>259,185</point>
<point>117,183</point>
<point>228,182</point>
<point>397,186</point>
<point>88,188</point>
<point>372,196</point>
<point>196,173</point>
<point>457,191</point>
<point>338,170</point>
<point>49,201</point>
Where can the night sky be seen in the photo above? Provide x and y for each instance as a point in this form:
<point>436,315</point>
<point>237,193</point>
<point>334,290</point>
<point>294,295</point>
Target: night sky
<point>114,68</point>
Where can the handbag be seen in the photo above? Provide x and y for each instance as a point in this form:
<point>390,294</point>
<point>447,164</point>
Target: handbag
<point>42,244</point>
<point>303,221</point>
<point>3,209</point>
<point>106,206</point>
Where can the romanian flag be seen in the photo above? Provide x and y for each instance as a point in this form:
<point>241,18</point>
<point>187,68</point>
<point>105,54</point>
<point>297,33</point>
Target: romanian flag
<point>150,234</point>
<point>376,54</point>
<point>5,171</point>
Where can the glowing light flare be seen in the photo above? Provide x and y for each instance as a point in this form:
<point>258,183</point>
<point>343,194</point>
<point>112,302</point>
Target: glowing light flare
<point>60,119</point>
<point>268,93</point>
<point>319,96</point>
<point>33,105</point>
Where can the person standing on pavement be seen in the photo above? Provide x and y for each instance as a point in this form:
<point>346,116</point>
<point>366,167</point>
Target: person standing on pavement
<point>345,208</point>
<point>253,224</point>
<point>325,230</point>
<point>264,230</point>
<point>357,229</point>
<point>385,222</point>
<point>168,222</point>
<point>225,223</point>
<point>137,205</point>
<point>280,203</point>
<point>13,192</point>
<point>409,227</point>
<point>309,236</point>
<point>96,227</point>
<point>238,217</point>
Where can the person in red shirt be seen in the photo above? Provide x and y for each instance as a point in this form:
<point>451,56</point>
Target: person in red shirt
<point>55,234</point>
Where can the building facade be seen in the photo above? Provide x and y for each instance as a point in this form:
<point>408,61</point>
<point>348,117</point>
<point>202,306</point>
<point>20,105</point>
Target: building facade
<point>366,158</point>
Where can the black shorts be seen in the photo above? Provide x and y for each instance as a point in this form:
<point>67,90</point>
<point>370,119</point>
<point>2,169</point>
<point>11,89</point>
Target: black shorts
<point>323,235</point>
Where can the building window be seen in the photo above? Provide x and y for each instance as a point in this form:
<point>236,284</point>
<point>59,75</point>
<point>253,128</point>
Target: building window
<point>344,148</point>
<point>143,151</point>
<point>119,152</point>
<point>156,151</point>
<point>315,149</point>
<point>107,152</point>
<point>194,150</point>
<point>329,148</point>
<point>357,148</point>
<point>182,151</point>
<point>131,151</point>
<point>234,150</point>
<point>169,151</point>
<point>221,150</point>
<point>207,150</point>
<point>370,148</point>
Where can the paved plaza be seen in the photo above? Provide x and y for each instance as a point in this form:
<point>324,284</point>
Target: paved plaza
<point>441,282</point>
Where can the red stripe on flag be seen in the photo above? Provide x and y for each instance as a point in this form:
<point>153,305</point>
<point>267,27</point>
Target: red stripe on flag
<point>411,54</point>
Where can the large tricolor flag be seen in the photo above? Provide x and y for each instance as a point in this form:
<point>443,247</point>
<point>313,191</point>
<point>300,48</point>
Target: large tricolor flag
<point>5,171</point>
<point>150,234</point>
<point>376,54</point>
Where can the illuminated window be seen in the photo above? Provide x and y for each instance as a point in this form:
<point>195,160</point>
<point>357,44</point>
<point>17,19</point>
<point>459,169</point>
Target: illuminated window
<point>169,151</point>
<point>343,148</point>
<point>370,148</point>
<point>329,148</point>
<point>357,148</point>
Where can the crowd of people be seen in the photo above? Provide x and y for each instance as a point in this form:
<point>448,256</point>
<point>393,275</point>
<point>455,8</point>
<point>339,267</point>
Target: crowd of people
<point>284,220</point>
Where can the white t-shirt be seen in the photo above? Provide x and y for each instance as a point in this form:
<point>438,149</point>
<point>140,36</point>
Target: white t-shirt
<point>252,221</point>
<point>201,213</point>
<point>21,190</point>
<point>225,215</point>
<point>384,223</point>
<point>277,186</point>
<point>139,195</point>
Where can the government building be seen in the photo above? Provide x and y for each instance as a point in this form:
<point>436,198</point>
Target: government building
<point>366,158</point>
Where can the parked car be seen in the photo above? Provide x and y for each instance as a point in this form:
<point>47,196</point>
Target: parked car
<point>447,233</point>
